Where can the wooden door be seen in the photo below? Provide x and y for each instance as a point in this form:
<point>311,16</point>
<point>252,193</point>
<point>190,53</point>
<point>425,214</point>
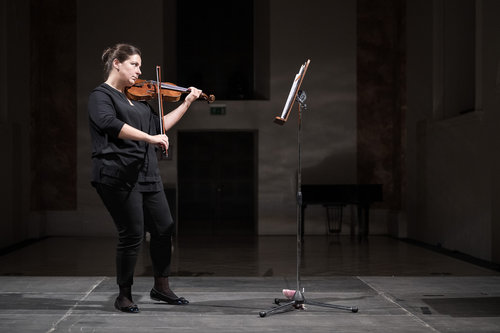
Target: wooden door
<point>216,183</point>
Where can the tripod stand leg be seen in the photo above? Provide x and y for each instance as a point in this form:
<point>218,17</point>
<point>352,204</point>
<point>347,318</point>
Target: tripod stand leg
<point>281,300</point>
<point>280,307</point>
<point>334,306</point>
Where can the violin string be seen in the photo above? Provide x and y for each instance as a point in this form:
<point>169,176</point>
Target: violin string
<point>175,88</point>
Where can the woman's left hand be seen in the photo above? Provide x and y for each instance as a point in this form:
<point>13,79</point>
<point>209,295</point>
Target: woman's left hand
<point>194,94</point>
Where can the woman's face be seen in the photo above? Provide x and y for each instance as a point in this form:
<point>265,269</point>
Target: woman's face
<point>129,70</point>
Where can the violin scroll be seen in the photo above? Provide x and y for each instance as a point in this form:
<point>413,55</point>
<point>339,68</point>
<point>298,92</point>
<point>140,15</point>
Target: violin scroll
<point>208,98</point>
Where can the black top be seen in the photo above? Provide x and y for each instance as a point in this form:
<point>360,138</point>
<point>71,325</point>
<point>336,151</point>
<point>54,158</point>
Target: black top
<point>123,164</point>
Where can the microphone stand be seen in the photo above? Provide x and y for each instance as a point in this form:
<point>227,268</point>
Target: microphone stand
<point>298,300</point>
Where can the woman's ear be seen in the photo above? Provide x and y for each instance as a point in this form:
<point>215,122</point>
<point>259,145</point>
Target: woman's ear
<point>116,64</point>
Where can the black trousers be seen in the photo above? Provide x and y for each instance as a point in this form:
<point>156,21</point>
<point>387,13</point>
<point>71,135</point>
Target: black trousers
<point>133,213</point>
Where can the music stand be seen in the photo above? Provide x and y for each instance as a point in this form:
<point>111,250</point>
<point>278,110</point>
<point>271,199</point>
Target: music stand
<point>298,300</point>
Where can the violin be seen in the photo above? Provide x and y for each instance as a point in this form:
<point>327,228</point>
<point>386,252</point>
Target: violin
<point>144,90</point>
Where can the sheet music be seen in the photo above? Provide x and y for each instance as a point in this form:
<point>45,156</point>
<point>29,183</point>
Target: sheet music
<point>292,94</point>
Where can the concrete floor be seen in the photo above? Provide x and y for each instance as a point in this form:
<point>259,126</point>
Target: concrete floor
<point>397,286</point>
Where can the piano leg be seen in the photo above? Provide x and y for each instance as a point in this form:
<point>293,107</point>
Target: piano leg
<point>367,220</point>
<point>353,221</point>
<point>363,220</point>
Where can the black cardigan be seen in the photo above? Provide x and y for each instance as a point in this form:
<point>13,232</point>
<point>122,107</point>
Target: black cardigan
<point>123,164</point>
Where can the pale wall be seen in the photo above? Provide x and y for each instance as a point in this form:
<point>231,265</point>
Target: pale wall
<point>451,159</point>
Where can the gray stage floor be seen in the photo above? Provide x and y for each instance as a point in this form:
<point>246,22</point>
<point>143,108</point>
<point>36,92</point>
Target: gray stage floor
<point>68,285</point>
<point>232,304</point>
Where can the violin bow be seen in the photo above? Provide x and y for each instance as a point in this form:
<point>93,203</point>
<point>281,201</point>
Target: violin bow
<point>160,105</point>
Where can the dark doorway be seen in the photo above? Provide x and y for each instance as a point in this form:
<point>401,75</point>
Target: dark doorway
<point>222,57</point>
<point>216,183</point>
<point>232,49</point>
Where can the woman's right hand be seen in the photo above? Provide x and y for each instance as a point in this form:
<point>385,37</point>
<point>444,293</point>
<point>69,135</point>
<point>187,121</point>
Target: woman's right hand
<point>160,140</point>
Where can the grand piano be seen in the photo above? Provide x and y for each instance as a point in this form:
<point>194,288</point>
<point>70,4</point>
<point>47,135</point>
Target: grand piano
<point>339,195</point>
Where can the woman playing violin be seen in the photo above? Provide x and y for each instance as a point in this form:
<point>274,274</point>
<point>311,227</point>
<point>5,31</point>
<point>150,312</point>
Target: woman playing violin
<point>125,137</point>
